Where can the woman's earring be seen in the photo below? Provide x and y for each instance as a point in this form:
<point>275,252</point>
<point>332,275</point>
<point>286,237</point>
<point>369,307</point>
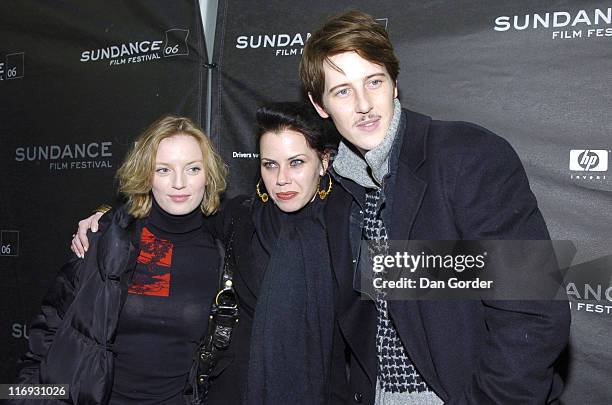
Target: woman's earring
<point>324,193</point>
<point>262,196</point>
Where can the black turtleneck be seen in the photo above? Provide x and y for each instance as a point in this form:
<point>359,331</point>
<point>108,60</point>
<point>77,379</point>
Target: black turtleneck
<point>166,310</point>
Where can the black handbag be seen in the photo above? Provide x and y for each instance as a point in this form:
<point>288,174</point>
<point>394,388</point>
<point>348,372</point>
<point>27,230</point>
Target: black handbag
<point>221,322</point>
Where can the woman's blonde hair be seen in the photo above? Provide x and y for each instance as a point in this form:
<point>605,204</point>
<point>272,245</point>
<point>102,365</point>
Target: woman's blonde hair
<point>136,174</point>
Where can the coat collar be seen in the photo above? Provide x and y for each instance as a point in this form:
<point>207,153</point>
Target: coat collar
<point>413,147</point>
<point>403,184</point>
<point>244,234</point>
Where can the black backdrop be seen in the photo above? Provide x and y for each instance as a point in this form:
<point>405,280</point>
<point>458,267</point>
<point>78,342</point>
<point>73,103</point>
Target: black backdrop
<point>535,72</point>
<point>89,76</point>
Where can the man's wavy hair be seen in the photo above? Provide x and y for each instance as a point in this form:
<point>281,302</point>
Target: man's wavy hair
<point>136,174</point>
<point>352,31</point>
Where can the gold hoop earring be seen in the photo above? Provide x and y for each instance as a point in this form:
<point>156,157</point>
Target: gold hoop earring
<point>262,196</point>
<point>324,193</point>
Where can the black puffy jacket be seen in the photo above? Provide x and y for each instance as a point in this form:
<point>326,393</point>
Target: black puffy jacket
<point>71,338</point>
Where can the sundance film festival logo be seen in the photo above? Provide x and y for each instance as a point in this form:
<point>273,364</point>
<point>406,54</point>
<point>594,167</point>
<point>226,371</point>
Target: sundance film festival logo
<point>588,285</point>
<point>587,24</point>
<point>174,43</point>
<point>590,292</point>
<point>282,44</point>
<point>94,155</point>
<point>9,243</point>
<point>20,331</point>
<point>13,66</point>
<point>593,161</point>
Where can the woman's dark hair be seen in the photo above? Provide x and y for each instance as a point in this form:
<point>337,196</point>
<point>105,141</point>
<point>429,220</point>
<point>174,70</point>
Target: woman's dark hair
<point>299,117</point>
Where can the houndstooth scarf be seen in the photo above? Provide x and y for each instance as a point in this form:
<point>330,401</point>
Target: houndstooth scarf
<point>398,381</point>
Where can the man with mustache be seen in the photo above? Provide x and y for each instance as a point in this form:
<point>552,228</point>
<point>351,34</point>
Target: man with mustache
<point>403,176</point>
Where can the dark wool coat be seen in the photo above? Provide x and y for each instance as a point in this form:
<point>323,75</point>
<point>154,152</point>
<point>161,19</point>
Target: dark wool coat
<point>450,181</point>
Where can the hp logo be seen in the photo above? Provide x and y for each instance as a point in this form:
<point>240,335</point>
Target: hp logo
<point>589,160</point>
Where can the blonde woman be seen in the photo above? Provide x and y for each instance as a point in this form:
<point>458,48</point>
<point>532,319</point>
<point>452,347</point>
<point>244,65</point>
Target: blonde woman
<point>121,324</point>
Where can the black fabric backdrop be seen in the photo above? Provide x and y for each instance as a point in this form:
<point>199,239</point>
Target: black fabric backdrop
<point>535,72</point>
<point>547,90</point>
<point>64,100</point>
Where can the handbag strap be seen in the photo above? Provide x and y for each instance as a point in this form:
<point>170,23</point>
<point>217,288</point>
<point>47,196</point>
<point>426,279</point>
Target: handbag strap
<point>221,322</point>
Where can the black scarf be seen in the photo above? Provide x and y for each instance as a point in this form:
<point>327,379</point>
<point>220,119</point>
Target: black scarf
<point>291,339</point>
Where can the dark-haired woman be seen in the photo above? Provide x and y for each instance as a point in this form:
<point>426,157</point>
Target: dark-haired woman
<point>284,280</point>
<point>282,347</point>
